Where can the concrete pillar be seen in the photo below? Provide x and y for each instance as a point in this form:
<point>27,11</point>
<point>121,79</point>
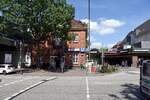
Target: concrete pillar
<point>134,61</point>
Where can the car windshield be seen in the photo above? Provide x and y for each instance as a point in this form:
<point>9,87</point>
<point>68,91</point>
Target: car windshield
<point>2,66</point>
<point>146,69</point>
<point>10,66</point>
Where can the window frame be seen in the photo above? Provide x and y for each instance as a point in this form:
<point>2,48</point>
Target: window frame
<point>75,57</point>
<point>76,37</point>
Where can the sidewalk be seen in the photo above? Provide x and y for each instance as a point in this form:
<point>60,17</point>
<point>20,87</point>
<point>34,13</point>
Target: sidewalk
<point>79,72</point>
<point>69,72</point>
<point>132,70</point>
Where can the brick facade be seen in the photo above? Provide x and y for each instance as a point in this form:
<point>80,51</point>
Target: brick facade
<point>72,47</point>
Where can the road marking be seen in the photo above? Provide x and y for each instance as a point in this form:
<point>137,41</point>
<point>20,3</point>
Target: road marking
<point>87,89</point>
<point>28,88</point>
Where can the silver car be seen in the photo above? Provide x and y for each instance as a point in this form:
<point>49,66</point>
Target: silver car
<point>145,79</point>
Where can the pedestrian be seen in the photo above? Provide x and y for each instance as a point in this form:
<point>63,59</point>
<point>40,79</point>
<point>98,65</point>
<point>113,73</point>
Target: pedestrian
<point>53,63</point>
<point>122,64</point>
<point>41,62</point>
<point>140,62</point>
<point>57,63</point>
<point>62,64</point>
<point>126,63</point>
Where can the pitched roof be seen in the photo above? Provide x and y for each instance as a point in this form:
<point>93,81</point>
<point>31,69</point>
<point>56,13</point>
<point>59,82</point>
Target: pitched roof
<point>146,24</point>
<point>78,25</point>
<point>118,45</point>
<point>144,28</point>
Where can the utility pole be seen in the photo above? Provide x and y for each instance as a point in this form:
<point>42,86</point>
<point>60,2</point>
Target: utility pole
<point>89,17</point>
<point>20,55</point>
<point>102,55</point>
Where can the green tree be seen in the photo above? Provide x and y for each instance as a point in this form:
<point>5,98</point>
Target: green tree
<point>35,20</point>
<point>104,49</point>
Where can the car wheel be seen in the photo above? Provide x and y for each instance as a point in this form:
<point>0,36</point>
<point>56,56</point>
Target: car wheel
<point>4,72</point>
<point>144,96</point>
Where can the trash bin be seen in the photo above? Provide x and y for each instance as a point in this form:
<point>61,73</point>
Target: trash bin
<point>93,69</point>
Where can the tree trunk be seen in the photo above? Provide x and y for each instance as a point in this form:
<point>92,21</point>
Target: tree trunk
<point>38,56</point>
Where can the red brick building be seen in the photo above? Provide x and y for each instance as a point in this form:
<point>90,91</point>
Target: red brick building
<point>74,52</point>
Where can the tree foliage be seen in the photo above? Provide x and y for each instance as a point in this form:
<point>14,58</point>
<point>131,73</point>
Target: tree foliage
<point>35,19</point>
<point>104,49</point>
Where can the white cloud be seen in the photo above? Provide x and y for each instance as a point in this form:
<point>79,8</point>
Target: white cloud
<point>94,43</point>
<point>104,26</point>
<point>112,23</point>
<point>92,39</point>
<point>97,45</point>
<point>106,31</point>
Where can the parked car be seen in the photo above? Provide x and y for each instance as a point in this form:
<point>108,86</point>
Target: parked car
<point>6,68</point>
<point>145,79</point>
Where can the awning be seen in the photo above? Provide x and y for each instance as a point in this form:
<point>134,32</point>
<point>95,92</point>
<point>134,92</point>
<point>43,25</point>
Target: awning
<point>141,50</point>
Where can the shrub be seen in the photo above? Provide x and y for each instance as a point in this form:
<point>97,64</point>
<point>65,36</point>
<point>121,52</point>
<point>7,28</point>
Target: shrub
<point>108,69</point>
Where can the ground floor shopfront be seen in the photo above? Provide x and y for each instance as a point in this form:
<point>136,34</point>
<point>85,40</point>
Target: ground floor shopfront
<point>54,57</point>
<point>131,59</point>
<point>75,59</point>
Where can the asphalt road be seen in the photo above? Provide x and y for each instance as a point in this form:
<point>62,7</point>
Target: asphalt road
<point>119,86</point>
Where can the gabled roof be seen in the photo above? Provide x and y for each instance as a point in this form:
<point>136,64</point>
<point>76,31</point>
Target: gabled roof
<point>144,28</point>
<point>140,30</point>
<point>145,25</point>
<point>78,25</point>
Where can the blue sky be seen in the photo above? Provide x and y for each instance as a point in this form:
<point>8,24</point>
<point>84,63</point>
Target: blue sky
<point>111,20</point>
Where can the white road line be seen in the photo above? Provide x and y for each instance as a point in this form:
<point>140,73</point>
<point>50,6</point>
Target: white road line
<point>14,82</point>
<point>28,88</point>
<point>87,89</point>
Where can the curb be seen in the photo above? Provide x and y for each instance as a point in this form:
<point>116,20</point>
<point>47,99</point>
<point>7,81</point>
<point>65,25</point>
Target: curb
<point>28,88</point>
<point>103,74</point>
<point>133,72</point>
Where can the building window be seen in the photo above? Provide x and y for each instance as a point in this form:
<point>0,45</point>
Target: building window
<point>137,32</point>
<point>76,38</point>
<point>75,58</point>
